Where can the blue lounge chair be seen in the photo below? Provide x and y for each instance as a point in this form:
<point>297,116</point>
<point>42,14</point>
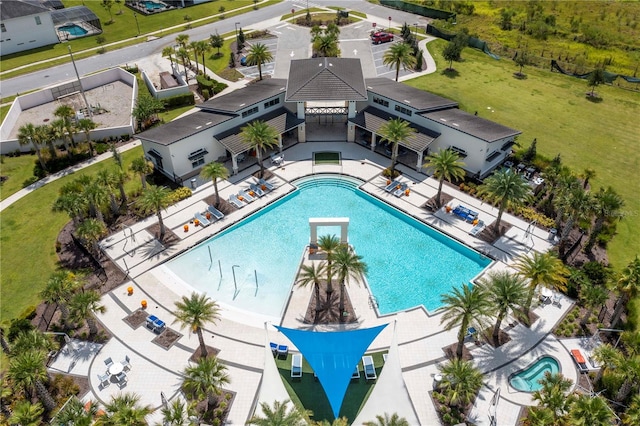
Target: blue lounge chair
<point>248,197</point>
<point>392,186</point>
<point>266,184</point>
<point>476,229</point>
<point>465,213</point>
<point>156,324</point>
<point>215,212</point>
<point>283,350</point>
<point>233,199</point>
<point>203,220</point>
<point>399,192</point>
<point>255,188</point>
<point>369,368</point>
<point>296,366</point>
<point>274,347</point>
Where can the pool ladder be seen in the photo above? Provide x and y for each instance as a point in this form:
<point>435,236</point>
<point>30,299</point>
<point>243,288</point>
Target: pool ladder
<point>373,302</point>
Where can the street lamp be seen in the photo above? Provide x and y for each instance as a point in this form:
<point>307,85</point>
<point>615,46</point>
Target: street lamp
<point>135,16</point>
<point>237,44</point>
<point>416,30</point>
<point>80,83</point>
<point>389,23</point>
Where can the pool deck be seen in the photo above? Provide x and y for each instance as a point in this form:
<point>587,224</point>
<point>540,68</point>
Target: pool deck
<point>241,337</point>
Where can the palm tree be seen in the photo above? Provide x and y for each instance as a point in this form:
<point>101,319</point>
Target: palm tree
<point>124,409</point>
<point>628,286</point>
<point>72,203</point>
<point>395,131</point>
<point>27,414</point>
<point>176,414</point>
<point>329,244</point>
<point>606,356</point>
<point>311,274</point>
<point>76,413</point>
<point>43,136</point>
<point>96,195</point>
<point>460,383</point>
<point>589,410</point>
<point>66,113</point>
<point>279,415</point>
<point>506,189</point>
<point>347,265</point>
<point>182,40</point>
<point>196,52</point>
<point>194,312</point>
<point>592,296</point>
<point>587,175</point>
<point>167,52</point>
<point>27,135</point>
<point>27,371</point>
<point>388,420</point>
<point>59,289</point>
<point>577,205</point>
<point>258,55</point>
<point>632,416</point>
<point>86,125</point>
<point>507,293</point>
<point>83,305</point>
<point>539,416</point>
<point>91,230</point>
<point>629,368</point>
<point>541,268</point>
<point>203,47</point>
<point>215,171</point>
<point>56,132</point>
<point>204,380</point>
<point>447,166</point>
<point>143,167</point>
<point>120,177</point>
<point>183,55</point>
<point>259,135</point>
<point>399,55</point>
<point>33,340</point>
<point>108,181</point>
<point>606,206</point>
<point>553,395</point>
<point>462,306</point>
<point>155,199</point>
<point>326,45</point>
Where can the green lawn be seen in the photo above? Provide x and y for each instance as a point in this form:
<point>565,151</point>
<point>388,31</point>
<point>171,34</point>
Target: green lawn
<point>553,108</point>
<point>326,158</point>
<point>28,230</point>
<point>18,169</point>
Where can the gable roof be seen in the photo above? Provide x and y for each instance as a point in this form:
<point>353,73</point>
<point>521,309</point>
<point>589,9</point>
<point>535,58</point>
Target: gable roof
<point>470,124</point>
<point>242,98</point>
<point>184,127</point>
<point>326,79</point>
<point>418,99</point>
<point>18,8</point>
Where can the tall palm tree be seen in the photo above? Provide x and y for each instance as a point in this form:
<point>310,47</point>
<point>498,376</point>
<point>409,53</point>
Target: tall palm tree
<point>399,55</point>
<point>183,55</point>
<point>59,289</point>
<point>96,195</point>
<point>142,167</point>
<point>43,136</point>
<point>27,135</point>
<point>395,131</point>
<point>464,305</point>
<point>91,230</point>
<point>279,414</point>
<point>194,312</point>
<point>629,368</point>
<point>507,293</point>
<point>447,166</point>
<point>632,416</point>
<point>260,136</point>
<point>27,371</point>
<point>312,274</point>
<point>67,114</point>
<point>167,52</point>
<point>592,296</point>
<point>567,183</point>
<point>348,265</point>
<point>204,47</point>
<point>86,125</point>
<point>204,380</point>
<point>326,45</point>
<point>215,171</point>
<point>539,416</point>
<point>72,203</point>
<point>33,340</point>
<point>155,199</point>
<point>196,52</point>
<point>124,409</point>
<point>577,205</point>
<point>108,181</point>
<point>506,189</point>
<point>57,132</point>
<point>589,410</point>
<point>607,204</point>
<point>329,244</point>
<point>628,286</point>
<point>182,40</point>
<point>541,268</point>
<point>76,413</point>
<point>388,420</point>
<point>553,395</point>
<point>83,306</point>
<point>460,383</point>
<point>606,355</point>
<point>27,414</point>
<point>120,177</point>
<point>258,55</point>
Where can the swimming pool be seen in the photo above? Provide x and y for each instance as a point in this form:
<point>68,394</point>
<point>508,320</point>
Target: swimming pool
<point>528,380</point>
<point>73,29</point>
<point>410,264</point>
<point>151,5</point>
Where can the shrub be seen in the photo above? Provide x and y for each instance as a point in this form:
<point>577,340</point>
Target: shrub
<point>205,94</point>
<point>62,387</point>
<point>29,181</point>
<point>101,148</point>
<point>17,326</point>
<point>29,313</point>
<point>101,51</point>
<point>387,173</point>
<point>180,100</point>
<point>530,215</point>
<point>180,194</point>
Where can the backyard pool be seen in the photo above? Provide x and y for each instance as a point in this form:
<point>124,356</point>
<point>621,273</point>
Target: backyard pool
<point>252,265</point>
<point>528,380</point>
<point>152,5</point>
<point>73,29</point>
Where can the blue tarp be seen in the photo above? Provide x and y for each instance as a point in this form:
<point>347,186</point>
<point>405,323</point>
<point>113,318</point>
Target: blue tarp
<point>333,356</point>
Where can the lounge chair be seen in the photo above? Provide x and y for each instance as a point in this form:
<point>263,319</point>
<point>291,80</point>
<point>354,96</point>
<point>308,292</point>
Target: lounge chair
<point>579,359</point>
<point>356,373</point>
<point>155,324</point>
<point>108,362</point>
<point>476,229</point>
<point>215,212</point>
<point>203,220</point>
<point>233,199</point>
<point>369,368</point>
<point>104,380</point>
<point>392,186</point>
<point>126,364</point>
<point>277,159</point>
<point>399,192</point>
<point>384,357</point>
<point>274,348</point>
<point>248,197</point>
<point>266,184</point>
<point>296,366</point>
<point>465,213</point>
<point>283,350</point>
<point>259,192</point>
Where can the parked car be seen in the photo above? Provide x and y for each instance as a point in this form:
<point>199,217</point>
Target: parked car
<point>381,37</point>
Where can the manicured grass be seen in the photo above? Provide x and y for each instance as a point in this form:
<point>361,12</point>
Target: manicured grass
<point>553,108</point>
<point>29,230</point>
<point>167,116</point>
<point>326,157</point>
<point>18,169</point>
<point>4,110</point>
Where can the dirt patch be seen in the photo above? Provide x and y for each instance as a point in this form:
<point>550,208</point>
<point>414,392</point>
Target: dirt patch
<point>136,318</point>
<point>503,337</point>
<point>211,352</point>
<point>450,351</point>
<point>325,311</point>
<point>431,204</point>
<point>169,237</point>
<point>224,206</point>
<point>489,234</point>
<point>167,338</point>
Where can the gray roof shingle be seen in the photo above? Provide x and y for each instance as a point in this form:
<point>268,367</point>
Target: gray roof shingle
<point>242,98</point>
<point>410,96</point>
<point>470,124</point>
<point>184,127</point>
<point>18,8</point>
<point>326,79</point>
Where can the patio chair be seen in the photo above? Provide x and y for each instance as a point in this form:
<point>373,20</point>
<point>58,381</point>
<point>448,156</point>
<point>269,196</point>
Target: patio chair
<point>122,380</point>
<point>266,184</point>
<point>296,366</point>
<point>215,212</point>
<point>108,362</point>
<point>277,159</point>
<point>126,363</point>
<point>248,197</point>
<point>203,220</point>
<point>235,201</point>
<point>369,368</point>
<point>476,229</point>
<point>283,350</point>
<point>399,192</point>
<point>274,348</point>
<point>392,186</point>
<point>259,192</point>
<point>556,300</point>
<point>104,380</point>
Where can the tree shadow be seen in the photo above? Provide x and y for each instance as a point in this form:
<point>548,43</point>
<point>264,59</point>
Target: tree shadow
<point>593,97</point>
<point>450,72</point>
<point>520,76</point>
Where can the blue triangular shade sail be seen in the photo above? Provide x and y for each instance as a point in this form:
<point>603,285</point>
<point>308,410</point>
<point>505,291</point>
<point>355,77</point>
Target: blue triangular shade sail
<point>333,355</point>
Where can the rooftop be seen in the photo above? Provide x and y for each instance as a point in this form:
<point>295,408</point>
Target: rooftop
<point>18,8</point>
<point>402,93</point>
<point>326,79</point>
<point>184,127</point>
<point>245,97</point>
<point>473,125</point>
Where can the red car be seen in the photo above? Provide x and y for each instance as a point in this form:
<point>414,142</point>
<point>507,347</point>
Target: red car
<point>381,37</point>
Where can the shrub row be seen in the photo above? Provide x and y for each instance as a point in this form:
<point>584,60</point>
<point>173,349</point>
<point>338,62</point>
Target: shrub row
<point>206,83</point>
<point>179,100</point>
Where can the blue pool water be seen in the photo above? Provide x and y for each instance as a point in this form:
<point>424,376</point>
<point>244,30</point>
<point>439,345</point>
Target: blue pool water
<point>73,29</point>
<point>528,380</point>
<point>410,264</point>
<point>149,5</point>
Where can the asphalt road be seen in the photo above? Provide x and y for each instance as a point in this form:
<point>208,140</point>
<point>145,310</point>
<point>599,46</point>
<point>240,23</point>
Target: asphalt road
<point>129,55</point>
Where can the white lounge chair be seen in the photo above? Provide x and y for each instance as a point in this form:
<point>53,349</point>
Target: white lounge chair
<point>233,199</point>
<point>476,229</point>
<point>255,188</point>
<point>399,192</point>
<point>369,368</point>
<point>356,373</point>
<point>266,184</point>
<point>296,366</point>
<point>203,220</point>
<point>248,197</point>
<point>215,212</point>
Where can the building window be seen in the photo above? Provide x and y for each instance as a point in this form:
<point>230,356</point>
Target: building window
<point>403,110</point>
<point>380,101</point>
<point>198,162</point>
<point>271,103</point>
<point>493,156</point>
<point>38,21</point>
<point>197,157</point>
<point>249,112</point>
<point>461,152</point>
<point>4,29</point>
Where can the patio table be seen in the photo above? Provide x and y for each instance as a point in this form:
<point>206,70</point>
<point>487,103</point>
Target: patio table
<point>116,368</point>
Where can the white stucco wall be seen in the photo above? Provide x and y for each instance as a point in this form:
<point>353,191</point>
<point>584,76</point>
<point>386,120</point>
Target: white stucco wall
<point>24,33</point>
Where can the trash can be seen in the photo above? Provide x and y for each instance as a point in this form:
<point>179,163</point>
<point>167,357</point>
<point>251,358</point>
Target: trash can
<point>343,13</point>
<point>193,183</point>
<point>552,234</point>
